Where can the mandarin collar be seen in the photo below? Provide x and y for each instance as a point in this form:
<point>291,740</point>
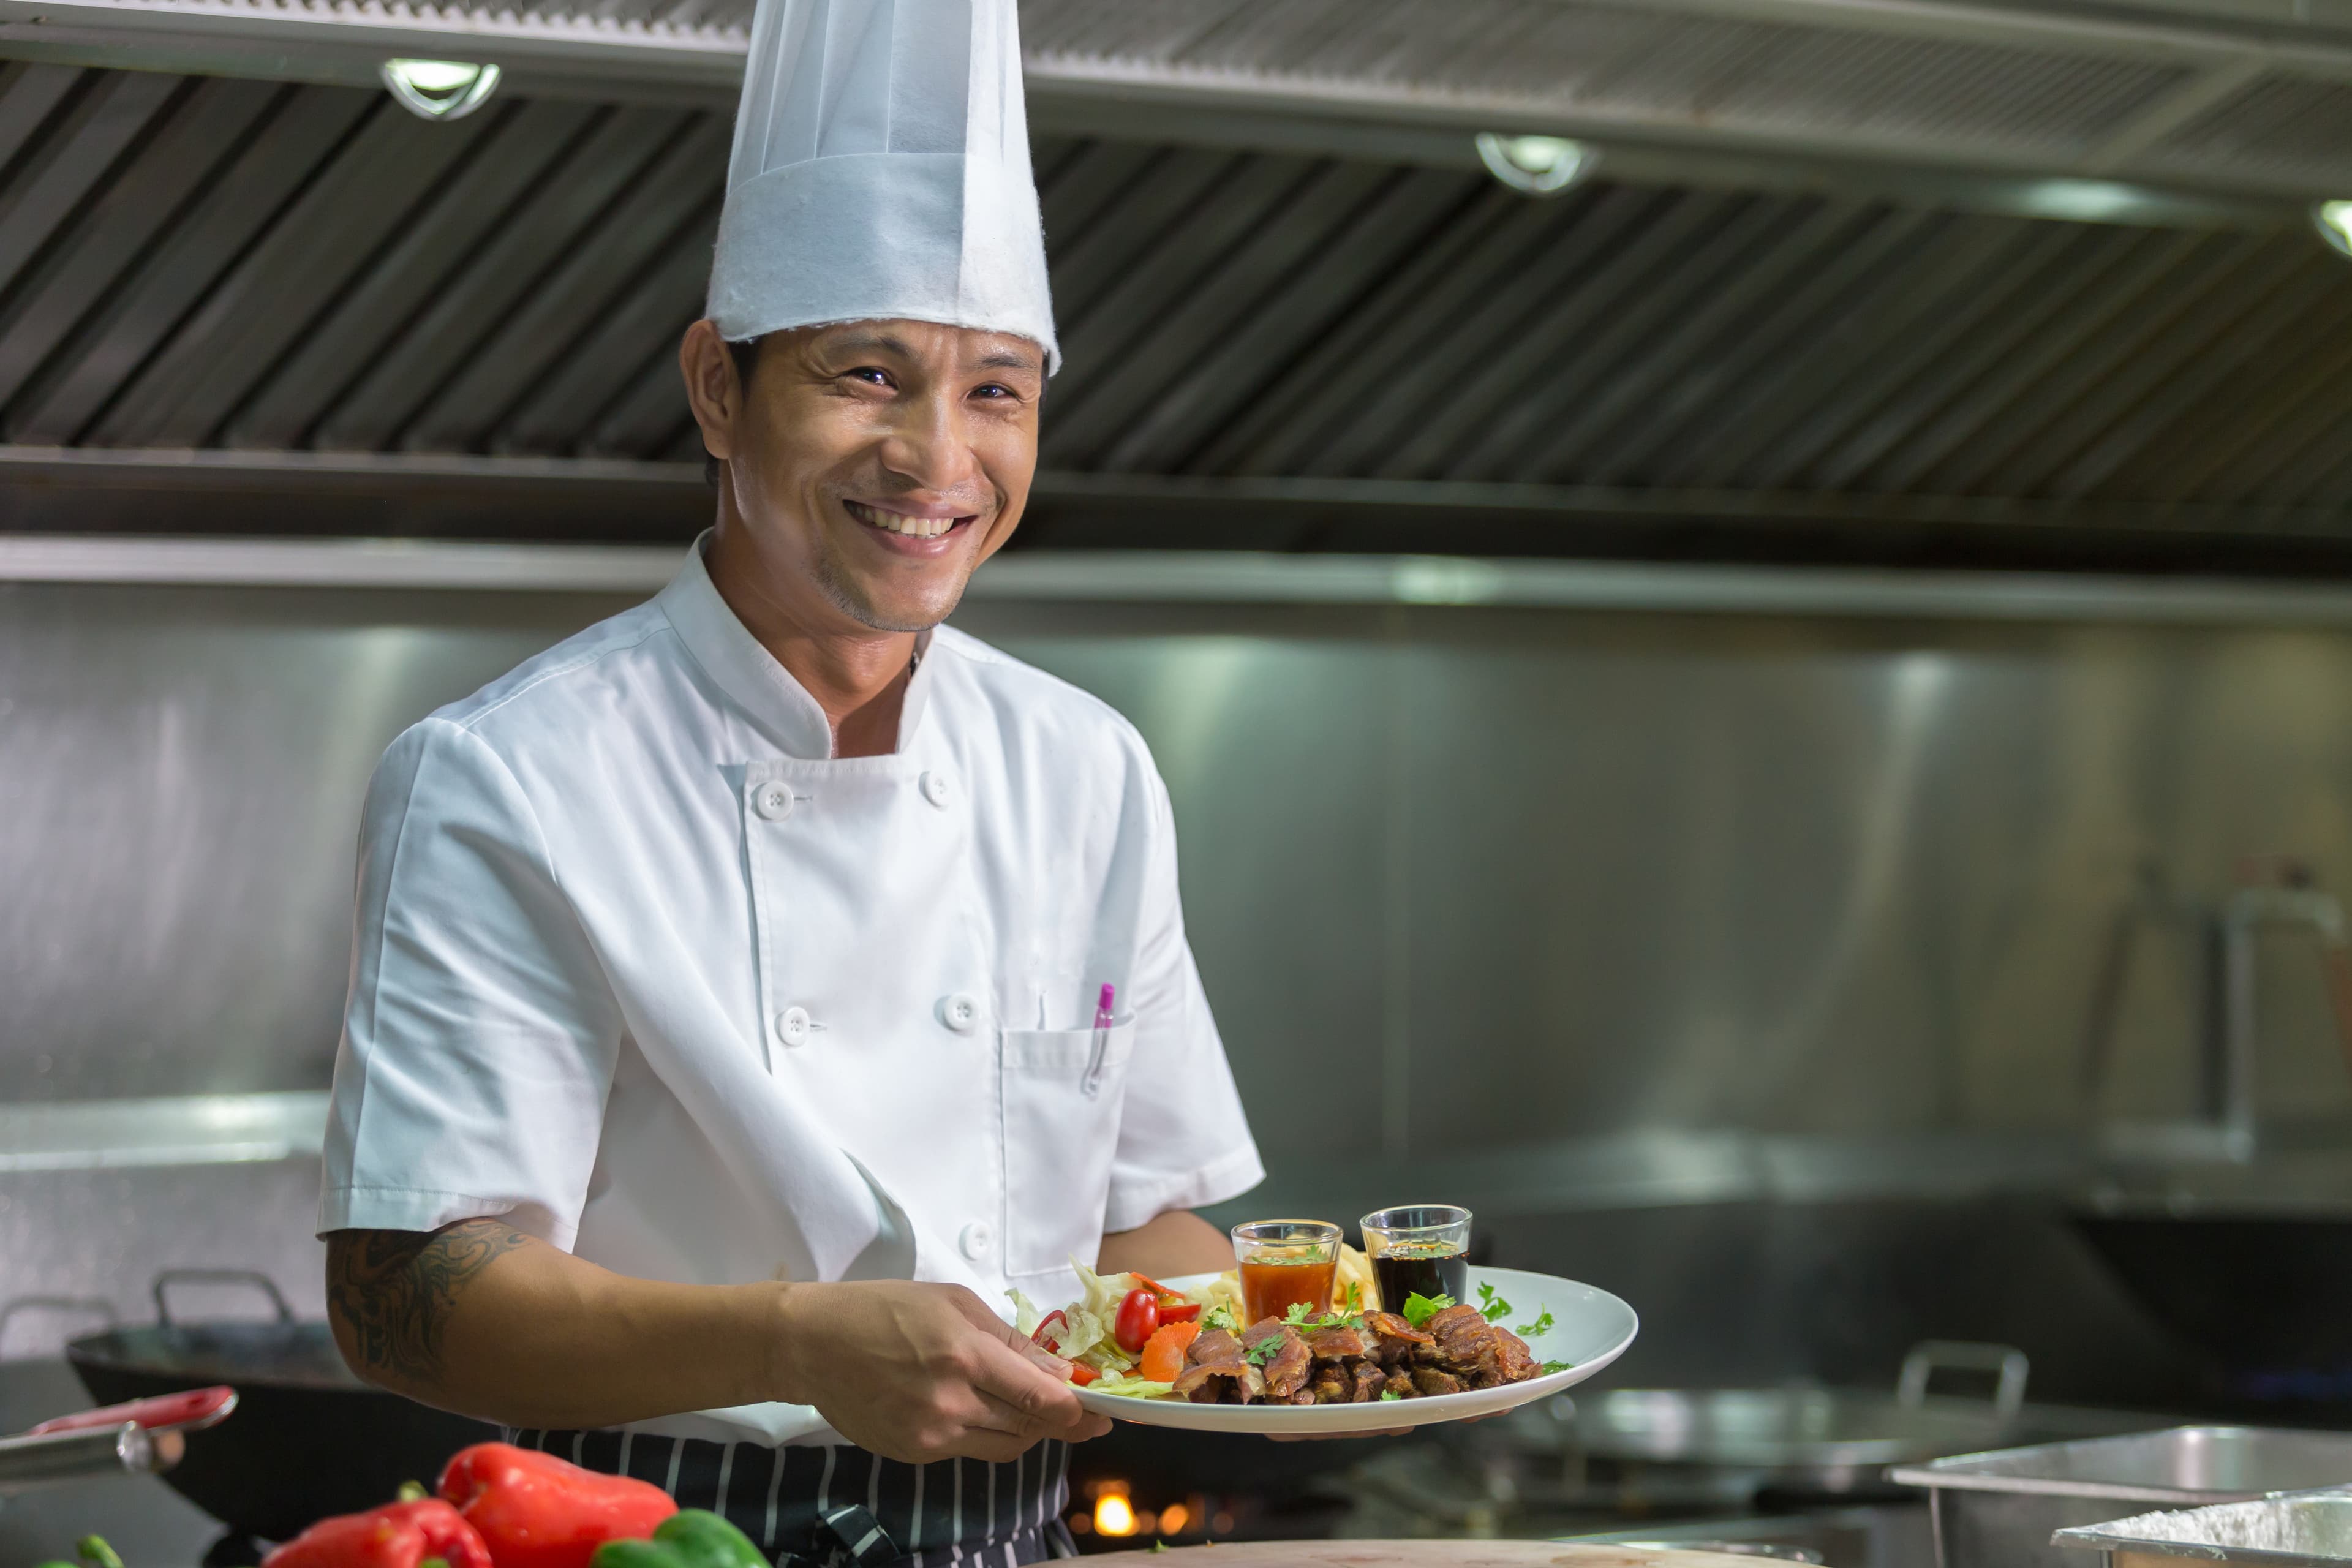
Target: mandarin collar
<point>751,677</point>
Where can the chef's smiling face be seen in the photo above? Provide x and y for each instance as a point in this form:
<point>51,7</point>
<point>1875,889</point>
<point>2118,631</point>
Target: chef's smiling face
<point>870,465</point>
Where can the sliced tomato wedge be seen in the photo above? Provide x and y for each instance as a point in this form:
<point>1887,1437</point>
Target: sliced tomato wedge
<point>1175,1311</point>
<point>1043,1337</point>
<point>1083,1374</point>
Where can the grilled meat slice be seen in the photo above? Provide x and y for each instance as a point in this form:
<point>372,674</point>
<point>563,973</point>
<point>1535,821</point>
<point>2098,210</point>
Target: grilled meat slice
<point>1332,1385</point>
<point>1482,1354</point>
<point>1219,1373</point>
<point>1431,1381</point>
<point>1394,1338</point>
<point>1340,1343</point>
<point>1288,1365</point>
<point>1368,1379</point>
<point>1401,1384</point>
<point>1221,1382</point>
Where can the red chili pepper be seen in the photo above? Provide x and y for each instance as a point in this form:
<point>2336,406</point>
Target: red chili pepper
<point>1045,1340</point>
<point>399,1535</point>
<point>535,1510</point>
<point>1139,1315</point>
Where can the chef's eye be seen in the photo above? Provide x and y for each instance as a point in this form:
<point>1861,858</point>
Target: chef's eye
<point>871,374</point>
<point>994,389</point>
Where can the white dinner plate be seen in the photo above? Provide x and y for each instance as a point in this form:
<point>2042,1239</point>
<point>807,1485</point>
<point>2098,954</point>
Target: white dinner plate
<point>1589,1329</point>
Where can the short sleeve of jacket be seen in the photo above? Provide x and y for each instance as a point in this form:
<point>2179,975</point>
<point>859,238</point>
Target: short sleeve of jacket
<point>479,1037</point>
<point>1183,1140</point>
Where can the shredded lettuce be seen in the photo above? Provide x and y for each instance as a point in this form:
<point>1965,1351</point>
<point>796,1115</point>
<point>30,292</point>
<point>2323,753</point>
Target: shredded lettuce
<point>1025,1315</point>
<point>1133,1388</point>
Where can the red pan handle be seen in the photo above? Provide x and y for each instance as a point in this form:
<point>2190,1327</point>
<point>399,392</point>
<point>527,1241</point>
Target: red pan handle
<point>190,1412</point>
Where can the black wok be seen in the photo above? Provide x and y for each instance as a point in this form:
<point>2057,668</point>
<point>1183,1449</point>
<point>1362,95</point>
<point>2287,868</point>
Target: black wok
<point>309,1438</point>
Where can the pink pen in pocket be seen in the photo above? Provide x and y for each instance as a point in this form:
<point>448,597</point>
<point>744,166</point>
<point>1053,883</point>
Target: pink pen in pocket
<point>1104,1017</point>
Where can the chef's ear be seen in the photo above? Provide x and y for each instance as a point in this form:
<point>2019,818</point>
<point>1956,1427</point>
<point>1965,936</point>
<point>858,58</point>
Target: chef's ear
<point>717,373</point>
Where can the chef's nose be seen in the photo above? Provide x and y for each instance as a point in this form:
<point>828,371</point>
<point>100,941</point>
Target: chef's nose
<point>929,445</point>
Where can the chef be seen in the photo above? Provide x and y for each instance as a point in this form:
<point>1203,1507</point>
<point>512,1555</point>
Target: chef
<point>722,1039</point>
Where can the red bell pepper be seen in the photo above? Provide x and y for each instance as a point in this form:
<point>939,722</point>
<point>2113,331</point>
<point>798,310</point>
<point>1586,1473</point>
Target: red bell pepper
<point>398,1535</point>
<point>1045,1337</point>
<point>536,1511</point>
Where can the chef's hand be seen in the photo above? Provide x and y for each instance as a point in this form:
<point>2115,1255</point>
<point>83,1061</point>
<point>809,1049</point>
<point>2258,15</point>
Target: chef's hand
<point>916,1372</point>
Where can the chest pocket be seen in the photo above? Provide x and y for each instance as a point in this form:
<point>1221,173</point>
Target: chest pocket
<point>1058,1141</point>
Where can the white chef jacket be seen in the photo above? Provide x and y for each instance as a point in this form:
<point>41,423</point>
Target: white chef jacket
<point>641,967</point>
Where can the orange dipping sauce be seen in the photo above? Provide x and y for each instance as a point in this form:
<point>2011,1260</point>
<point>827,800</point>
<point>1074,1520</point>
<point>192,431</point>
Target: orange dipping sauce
<point>1271,1286</point>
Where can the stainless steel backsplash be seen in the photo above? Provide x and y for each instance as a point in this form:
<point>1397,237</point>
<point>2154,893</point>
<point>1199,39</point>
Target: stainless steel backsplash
<point>1642,906</point>
<point>1455,878</point>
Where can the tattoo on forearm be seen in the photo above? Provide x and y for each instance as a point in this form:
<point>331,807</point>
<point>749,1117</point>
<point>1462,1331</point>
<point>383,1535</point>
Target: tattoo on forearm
<point>393,1290</point>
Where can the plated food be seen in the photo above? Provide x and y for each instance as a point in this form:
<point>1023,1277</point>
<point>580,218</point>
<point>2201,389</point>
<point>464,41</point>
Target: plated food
<point>1132,1336</point>
<point>1298,1335</point>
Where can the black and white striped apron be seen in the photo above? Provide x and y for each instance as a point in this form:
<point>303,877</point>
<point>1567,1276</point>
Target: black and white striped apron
<point>833,1506</point>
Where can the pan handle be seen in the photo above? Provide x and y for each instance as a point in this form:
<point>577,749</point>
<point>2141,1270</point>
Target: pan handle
<point>97,1306</point>
<point>252,1276</point>
<point>1965,1355</point>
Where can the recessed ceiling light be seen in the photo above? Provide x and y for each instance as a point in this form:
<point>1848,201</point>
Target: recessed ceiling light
<point>439,89</point>
<point>2083,201</point>
<point>1534,166</point>
<point>2334,222</point>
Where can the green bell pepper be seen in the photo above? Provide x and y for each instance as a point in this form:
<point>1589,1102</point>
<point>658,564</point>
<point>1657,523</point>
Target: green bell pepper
<point>95,1553</point>
<point>693,1538</point>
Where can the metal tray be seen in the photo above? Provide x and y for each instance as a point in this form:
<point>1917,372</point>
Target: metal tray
<point>2003,1508</point>
<point>2298,1529</point>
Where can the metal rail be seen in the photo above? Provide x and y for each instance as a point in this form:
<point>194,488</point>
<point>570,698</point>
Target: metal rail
<point>1213,577</point>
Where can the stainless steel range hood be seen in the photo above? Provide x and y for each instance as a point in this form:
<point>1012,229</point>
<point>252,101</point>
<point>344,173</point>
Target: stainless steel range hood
<point>1838,279</point>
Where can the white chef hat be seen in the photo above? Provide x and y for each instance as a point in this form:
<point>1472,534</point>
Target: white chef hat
<point>881,169</point>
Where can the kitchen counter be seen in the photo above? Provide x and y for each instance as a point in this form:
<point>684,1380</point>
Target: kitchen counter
<point>1433,1555</point>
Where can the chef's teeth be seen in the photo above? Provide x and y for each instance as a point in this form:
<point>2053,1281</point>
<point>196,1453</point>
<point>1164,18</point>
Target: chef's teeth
<point>892,522</point>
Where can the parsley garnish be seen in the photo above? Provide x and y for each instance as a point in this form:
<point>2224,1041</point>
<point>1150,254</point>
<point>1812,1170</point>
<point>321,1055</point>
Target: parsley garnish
<point>1301,1316</point>
<point>1543,1325</point>
<point>1263,1352</point>
<point>1420,1309</point>
<point>1219,1316</point>
<point>1355,1296</point>
<point>1552,1366</point>
<point>1390,1393</point>
<point>1495,1307</point>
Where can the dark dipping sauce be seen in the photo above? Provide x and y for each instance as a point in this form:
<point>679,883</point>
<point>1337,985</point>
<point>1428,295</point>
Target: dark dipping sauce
<point>1421,1270</point>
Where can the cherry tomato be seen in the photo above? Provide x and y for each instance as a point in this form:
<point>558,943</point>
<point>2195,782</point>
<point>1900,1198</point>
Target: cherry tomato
<point>1139,1318</point>
<point>1045,1337</point>
<point>1163,1357</point>
<point>1173,1310</point>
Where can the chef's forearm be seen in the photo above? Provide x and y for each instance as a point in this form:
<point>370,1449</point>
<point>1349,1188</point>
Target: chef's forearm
<point>483,1320</point>
<point>1177,1242</point>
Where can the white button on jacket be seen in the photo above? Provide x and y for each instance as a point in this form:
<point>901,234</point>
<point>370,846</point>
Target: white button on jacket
<point>688,1022</point>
